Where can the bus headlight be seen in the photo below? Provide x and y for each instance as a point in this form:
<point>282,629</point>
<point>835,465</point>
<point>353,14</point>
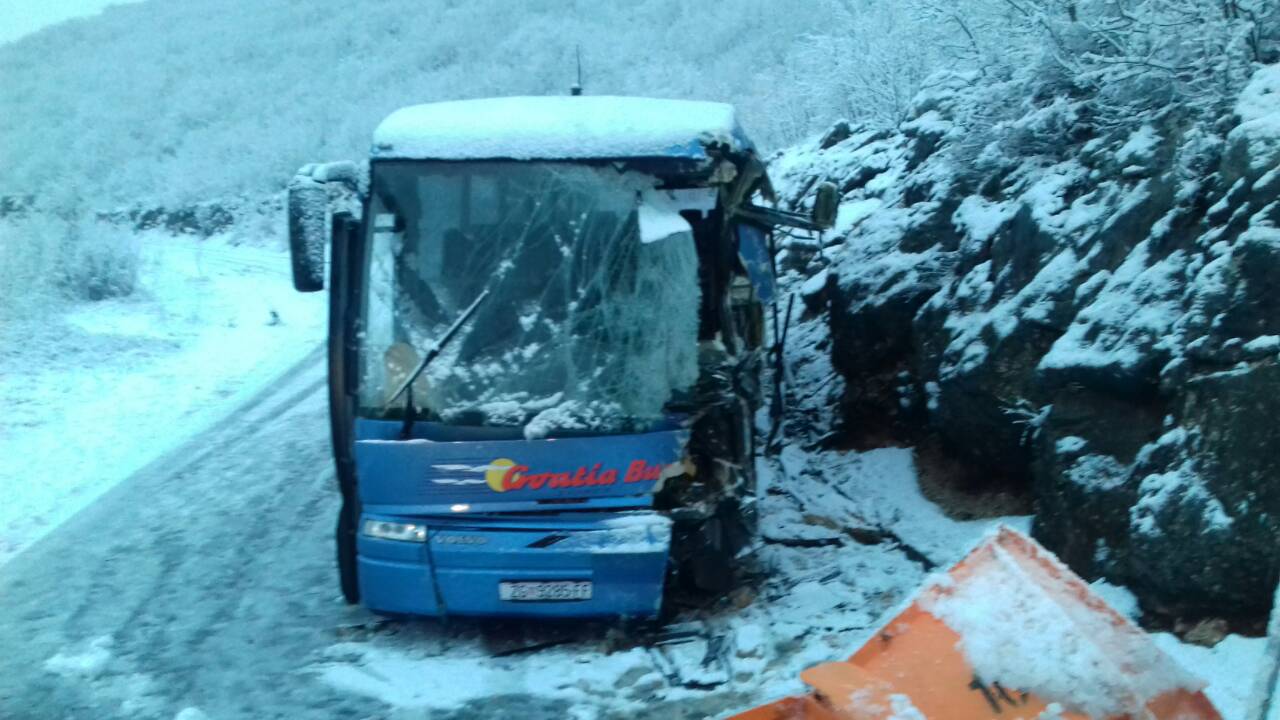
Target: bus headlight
<point>405,532</point>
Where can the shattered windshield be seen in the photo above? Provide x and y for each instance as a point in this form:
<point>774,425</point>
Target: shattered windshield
<point>591,323</point>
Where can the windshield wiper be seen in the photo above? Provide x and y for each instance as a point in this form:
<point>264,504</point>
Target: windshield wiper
<point>432,353</point>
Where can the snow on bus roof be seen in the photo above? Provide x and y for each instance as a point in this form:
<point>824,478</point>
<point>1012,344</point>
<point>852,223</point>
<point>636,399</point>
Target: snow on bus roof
<point>563,127</point>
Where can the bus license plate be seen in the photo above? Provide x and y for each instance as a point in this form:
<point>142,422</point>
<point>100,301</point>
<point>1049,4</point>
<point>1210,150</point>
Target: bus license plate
<point>532,591</point>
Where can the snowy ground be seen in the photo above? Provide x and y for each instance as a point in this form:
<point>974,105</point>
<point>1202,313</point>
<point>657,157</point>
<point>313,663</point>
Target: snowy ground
<point>822,594</point>
<point>202,587</point>
<point>94,391</point>
<point>818,596</point>
<point>205,582</point>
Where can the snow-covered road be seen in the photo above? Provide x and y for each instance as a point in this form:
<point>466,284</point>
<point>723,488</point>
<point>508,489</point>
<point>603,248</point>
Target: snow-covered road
<point>203,580</point>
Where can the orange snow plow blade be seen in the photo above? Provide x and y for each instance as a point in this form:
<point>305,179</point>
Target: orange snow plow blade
<point>1008,632</point>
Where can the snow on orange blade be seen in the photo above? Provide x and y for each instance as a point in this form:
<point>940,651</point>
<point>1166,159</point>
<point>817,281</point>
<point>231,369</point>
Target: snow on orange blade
<point>1008,633</point>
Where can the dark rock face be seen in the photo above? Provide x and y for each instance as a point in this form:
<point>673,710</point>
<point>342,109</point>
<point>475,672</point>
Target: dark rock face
<point>1103,323</point>
<point>16,205</point>
<point>1225,535</point>
<point>203,219</point>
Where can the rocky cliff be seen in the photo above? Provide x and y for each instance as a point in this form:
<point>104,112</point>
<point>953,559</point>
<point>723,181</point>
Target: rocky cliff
<point>1090,310</point>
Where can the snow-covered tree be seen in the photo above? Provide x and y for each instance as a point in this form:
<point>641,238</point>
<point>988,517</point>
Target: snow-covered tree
<point>1128,57</point>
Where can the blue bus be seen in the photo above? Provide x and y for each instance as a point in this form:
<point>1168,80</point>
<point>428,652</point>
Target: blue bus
<point>547,330</point>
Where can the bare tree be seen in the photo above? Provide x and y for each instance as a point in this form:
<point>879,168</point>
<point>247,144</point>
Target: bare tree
<point>1126,59</point>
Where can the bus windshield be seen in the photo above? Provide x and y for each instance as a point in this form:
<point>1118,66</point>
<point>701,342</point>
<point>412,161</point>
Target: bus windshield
<point>591,323</point>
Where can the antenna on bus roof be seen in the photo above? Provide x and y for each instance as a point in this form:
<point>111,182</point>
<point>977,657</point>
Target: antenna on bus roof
<point>576,89</point>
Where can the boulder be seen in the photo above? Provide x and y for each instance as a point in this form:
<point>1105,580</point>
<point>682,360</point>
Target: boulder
<point>1204,527</point>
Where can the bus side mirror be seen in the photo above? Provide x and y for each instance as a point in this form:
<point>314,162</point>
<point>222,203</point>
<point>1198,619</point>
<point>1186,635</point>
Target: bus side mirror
<point>308,232</point>
<point>825,205</point>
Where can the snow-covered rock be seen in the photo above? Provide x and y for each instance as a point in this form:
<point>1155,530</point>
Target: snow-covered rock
<point>1093,314</point>
<point>1255,142</point>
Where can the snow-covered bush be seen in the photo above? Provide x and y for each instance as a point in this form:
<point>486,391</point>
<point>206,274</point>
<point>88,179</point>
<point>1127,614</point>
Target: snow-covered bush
<point>98,260</point>
<point>29,260</point>
<point>47,258</point>
<point>1122,62</point>
<point>864,65</point>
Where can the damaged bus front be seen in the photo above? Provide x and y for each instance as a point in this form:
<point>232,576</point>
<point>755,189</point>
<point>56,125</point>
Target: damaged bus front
<point>546,328</point>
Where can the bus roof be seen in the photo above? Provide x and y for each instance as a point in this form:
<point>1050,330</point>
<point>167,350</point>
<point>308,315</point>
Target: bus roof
<point>558,128</point>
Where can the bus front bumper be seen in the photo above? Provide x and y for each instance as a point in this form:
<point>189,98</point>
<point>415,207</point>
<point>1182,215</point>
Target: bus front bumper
<point>601,566</point>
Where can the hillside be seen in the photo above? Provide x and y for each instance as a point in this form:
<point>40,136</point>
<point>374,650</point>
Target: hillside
<point>190,100</point>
